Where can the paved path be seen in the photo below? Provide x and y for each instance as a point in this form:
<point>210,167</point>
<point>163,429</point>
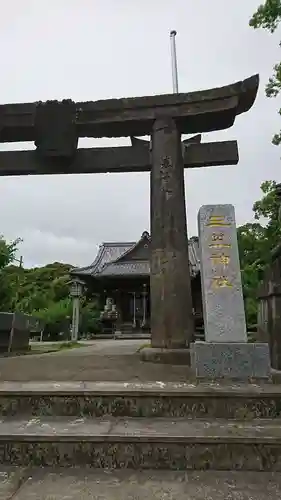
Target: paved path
<point>106,347</point>
<point>109,347</point>
<point>102,360</point>
<point>87,484</point>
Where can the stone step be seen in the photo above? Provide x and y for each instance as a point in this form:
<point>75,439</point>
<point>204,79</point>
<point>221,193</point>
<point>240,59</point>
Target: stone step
<point>142,443</point>
<point>88,484</point>
<point>159,399</point>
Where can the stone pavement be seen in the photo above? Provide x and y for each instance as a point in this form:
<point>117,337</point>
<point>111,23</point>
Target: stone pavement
<point>88,484</point>
<point>103,360</point>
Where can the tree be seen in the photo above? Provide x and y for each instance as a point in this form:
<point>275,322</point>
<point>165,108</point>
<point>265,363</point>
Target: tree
<point>7,251</point>
<point>36,289</point>
<point>267,209</point>
<point>256,241</point>
<point>56,312</point>
<point>250,243</point>
<point>7,255</point>
<point>90,317</point>
<point>56,318</point>
<point>268,16</point>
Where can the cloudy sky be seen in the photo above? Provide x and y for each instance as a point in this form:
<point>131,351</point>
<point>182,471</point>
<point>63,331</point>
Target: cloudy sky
<point>93,49</point>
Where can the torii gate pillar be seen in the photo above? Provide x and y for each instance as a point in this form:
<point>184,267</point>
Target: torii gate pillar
<point>170,287</point>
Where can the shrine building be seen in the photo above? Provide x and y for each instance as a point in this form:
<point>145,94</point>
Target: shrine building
<point>120,275</point>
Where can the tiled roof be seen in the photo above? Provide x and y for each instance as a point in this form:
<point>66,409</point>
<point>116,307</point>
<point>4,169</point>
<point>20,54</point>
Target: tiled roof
<point>108,252</point>
<point>111,260</point>
<point>132,268</point>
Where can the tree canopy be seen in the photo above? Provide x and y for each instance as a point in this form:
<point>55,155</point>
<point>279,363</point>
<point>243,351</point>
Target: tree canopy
<point>268,16</point>
<point>256,240</point>
<point>43,292</point>
<point>7,255</point>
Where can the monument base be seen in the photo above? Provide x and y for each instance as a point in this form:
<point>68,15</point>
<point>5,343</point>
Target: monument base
<point>238,361</point>
<point>166,356</point>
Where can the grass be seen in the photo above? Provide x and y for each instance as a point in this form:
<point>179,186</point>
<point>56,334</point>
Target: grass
<point>40,348</point>
<point>69,345</point>
<point>144,346</point>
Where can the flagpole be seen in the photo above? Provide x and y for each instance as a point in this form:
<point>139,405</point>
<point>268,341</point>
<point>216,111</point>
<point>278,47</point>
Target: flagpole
<point>174,62</point>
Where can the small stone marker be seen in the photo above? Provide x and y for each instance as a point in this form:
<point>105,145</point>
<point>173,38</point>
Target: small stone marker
<point>225,352</point>
<point>223,304</point>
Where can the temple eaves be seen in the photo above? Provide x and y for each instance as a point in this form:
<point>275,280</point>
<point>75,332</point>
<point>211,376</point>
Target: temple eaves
<point>113,260</point>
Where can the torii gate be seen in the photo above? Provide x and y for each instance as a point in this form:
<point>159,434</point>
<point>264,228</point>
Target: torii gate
<point>55,128</point>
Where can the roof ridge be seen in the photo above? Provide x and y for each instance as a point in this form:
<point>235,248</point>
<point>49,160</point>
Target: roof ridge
<point>145,236</point>
<point>117,244</point>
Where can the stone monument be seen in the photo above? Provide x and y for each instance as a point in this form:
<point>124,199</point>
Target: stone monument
<point>225,352</point>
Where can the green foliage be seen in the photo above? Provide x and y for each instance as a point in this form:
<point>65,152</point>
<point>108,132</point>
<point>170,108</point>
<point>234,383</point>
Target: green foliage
<point>44,292</point>
<point>90,318</point>
<point>69,345</point>
<point>256,241</point>
<point>7,251</point>
<point>250,242</point>
<point>35,289</point>
<point>7,255</point>
<point>56,312</point>
<point>268,16</point>
<point>6,292</point>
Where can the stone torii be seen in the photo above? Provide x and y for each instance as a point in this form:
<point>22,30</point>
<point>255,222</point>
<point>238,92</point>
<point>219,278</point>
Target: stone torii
<point>55,128</point>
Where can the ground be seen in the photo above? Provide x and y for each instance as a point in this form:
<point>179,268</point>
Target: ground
<point>115,360</point>
<point>102,360</point>
<point>87,484</point>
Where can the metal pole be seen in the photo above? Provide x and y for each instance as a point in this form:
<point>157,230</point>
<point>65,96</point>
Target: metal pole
<point>75,319</point>
<point>174,62</point>
<point>144,306</point>
<point>134,299</point>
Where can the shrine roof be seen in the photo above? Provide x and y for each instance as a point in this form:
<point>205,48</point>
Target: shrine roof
<point>121,260</point>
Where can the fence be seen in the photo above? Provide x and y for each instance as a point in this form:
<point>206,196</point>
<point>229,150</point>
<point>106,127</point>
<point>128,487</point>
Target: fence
<point>269,312</point>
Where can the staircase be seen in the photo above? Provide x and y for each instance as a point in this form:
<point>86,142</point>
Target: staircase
<point>141,426</point>
<point>128,332</point>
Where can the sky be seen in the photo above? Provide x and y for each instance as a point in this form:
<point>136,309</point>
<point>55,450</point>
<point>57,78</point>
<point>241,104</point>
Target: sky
<point>92,49</point>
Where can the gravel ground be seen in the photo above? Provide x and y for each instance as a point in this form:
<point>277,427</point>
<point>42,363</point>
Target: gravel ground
<point>87,484</point>
<point>103,360</point>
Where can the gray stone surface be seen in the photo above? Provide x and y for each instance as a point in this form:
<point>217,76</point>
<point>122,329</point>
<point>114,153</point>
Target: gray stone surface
<point>223,306</point>
<point>86,484</point>
<point>150,399</point>
<point>202,389</point>
<point>171,320</point>
<point>11,480</point>
<point>143,443</point>
<point>104,360</point>
<point>231,360</point>
<point>166,356</point>
<point>139,430</point>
